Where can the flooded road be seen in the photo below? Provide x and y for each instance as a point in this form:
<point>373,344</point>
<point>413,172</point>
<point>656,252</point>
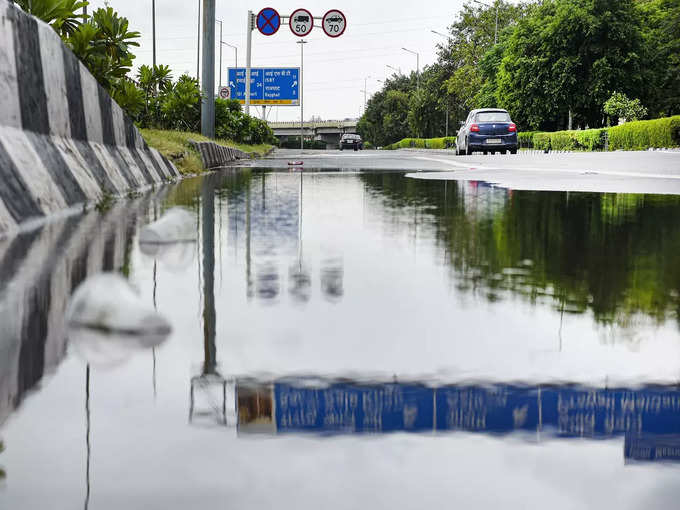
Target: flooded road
<point>353,340</point>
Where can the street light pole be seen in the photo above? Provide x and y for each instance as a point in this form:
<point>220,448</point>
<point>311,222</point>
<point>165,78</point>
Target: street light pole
<point>220,22</point>
<point>447,96</point>
<point>302,43</point>
<point>417,65</point>
<point>398,71</point>
<point>495,34</point>
<point>249,43</point>
<point>365,89</point>
<point>235,52</point>
<point>198,44</point>
<point>208,81</point>
<point>153,30</point>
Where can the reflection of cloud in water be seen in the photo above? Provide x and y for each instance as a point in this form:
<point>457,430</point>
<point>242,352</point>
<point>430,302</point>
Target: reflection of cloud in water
<point>108,322</point>
<point>332,276</point>
<point>173,256</point>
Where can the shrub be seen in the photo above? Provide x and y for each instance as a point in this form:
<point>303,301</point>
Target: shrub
<point>525,139</point>
<point>423,143</point>
<point>590,139</point>
<point>562,141</point>
<point>645,134</point>
<point>541,141</point>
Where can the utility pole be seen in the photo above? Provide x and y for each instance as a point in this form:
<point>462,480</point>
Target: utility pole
<point>208,79</point>
<point>302,43</point>
<point>220,22</point>
<point>417,66</point>
<point>365,89</point>
<point>153,30</point>
<point>249,44</point>
<point>235,52</point>
<point>198,44</point>
<point>496,2</point>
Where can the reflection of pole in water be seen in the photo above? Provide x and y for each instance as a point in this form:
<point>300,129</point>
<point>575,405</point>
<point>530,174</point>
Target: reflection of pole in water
<point>87,435</point>
<point>209,376</point>
<point>249,279</point>
<point>208,222</point>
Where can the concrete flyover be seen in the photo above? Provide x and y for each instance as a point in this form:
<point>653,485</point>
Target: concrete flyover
<point>328,131</point>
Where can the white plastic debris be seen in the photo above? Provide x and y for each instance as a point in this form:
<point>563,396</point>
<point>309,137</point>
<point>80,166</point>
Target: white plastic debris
<point>176,226</point>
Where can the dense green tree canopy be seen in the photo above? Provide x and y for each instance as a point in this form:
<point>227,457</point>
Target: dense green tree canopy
<point>554,61</point>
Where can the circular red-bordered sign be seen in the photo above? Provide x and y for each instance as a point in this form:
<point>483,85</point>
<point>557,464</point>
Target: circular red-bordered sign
<point>303,20</point>
<point>268,21</point>
<point>334,23</point>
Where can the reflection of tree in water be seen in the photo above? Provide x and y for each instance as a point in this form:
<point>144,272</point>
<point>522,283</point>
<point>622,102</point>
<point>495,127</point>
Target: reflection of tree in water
<point>615,255</point>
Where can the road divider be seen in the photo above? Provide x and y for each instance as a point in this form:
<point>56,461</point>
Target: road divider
<point>63,140</point>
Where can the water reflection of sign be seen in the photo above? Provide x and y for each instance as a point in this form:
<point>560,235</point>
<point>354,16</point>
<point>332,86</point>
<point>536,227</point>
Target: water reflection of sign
<point>648,417</point>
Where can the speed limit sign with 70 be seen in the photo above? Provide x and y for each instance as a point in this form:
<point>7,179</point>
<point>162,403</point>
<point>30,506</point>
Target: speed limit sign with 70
<point>301,22</point>
<point>334,23</point>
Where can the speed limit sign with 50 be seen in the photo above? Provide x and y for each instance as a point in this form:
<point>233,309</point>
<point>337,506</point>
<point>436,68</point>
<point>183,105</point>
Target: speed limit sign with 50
<point>301,23</point>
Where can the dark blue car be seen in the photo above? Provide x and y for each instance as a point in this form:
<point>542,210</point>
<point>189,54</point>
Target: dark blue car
<point>487,130</point>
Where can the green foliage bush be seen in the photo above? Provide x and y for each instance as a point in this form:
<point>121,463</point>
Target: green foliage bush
<point>581,140</point>
<point>645,134</point>
<point>525,139</point>
<point>423,143</point>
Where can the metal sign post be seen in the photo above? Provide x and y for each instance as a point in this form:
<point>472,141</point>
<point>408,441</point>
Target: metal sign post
<point>301,22</point>
<point>302,43</point>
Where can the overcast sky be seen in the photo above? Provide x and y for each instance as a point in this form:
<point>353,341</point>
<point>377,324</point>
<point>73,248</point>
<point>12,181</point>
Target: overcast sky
<point>334,68</point>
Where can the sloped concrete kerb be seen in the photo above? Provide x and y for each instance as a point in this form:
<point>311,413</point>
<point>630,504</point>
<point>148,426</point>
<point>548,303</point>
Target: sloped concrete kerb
<point>63,140</point>
<point>214,155</point>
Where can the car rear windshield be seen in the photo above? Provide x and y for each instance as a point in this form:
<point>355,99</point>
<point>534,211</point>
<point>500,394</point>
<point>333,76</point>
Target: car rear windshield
<point>493,117</point>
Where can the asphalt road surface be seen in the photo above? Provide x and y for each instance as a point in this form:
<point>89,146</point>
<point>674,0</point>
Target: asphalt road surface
<point>614,172</point>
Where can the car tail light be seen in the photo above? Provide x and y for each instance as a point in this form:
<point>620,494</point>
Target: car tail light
<point>512,127</point>
<point>474,128</point>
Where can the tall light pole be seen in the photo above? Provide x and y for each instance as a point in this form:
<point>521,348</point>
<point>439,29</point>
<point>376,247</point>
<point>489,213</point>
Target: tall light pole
<point>447,95</point>
<point>398,71</point>
<point>198,44</point>
<point>302,43</point>
<point>235,52</point>
<point>417,65</point>
<point>495,34</point>
<point>365,89</point>
<point>220,22</point>
<point>208,85</point>
<point>153,30</point>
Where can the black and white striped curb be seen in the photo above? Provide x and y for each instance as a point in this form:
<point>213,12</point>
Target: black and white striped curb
<point>216,156</point>
<point>63,140</point>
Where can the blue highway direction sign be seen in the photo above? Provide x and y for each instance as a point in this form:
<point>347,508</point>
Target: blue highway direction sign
<point>268,86</point>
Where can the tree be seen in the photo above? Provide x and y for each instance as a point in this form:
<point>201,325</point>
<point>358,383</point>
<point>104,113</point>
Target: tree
<point>566,57</point>
<point>63,16</point>
<point>618,106</point>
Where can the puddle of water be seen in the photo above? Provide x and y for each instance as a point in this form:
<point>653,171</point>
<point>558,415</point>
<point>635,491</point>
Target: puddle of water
<point>361,339</point>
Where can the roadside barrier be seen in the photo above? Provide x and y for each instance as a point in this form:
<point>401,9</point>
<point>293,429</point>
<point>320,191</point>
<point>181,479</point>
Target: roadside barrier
<point>63,140</point>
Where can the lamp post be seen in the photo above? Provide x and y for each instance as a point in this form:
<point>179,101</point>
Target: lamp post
<point>208,81</point>
<point>220,22</point>
<point>365,88</point>
<point>235,52</point>
<point>302,43</point>
<point>198,44</point>
<point>153,30</point>
<point>417,65</point>
<point>495,34</point>
<point>398,71</point>
<point>447,96</point>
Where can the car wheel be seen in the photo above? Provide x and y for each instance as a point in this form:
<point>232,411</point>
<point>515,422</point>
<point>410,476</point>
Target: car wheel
<point>504,152</point>
<point>341,147</point>
<point>513,151</point>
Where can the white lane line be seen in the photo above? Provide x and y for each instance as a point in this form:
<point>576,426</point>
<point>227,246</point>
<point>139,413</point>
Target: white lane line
<point>564,170</point>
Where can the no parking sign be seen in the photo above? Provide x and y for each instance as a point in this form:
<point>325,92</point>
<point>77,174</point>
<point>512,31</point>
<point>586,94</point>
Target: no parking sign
<point>268,21</point>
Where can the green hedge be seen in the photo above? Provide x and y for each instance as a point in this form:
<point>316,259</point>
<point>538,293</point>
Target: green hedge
<point>584,140</point>
<point>645,134</point>
<point>423,143</point>
<point>525,139</point>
